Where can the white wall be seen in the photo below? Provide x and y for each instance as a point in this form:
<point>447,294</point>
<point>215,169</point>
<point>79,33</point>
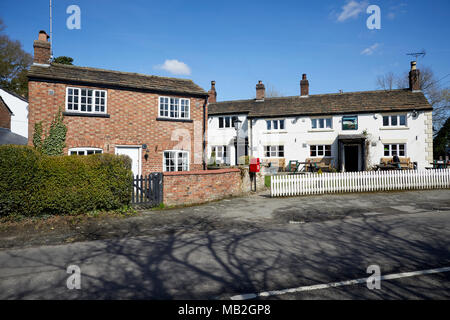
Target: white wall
<point>298,135</point>
<point>225,136</point>
<point>19,108</point>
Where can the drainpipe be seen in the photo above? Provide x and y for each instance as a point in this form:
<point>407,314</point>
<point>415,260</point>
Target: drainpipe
<point>204,135</point>
<point>250,135</point>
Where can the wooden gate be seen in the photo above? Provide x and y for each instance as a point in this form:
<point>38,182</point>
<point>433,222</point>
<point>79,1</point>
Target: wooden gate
<point>148,190</point>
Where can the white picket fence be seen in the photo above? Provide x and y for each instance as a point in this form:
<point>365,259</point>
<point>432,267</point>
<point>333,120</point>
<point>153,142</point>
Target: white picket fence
<point>365,181</point>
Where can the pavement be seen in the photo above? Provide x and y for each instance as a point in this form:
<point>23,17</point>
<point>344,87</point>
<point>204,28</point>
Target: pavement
<point>267,244</point>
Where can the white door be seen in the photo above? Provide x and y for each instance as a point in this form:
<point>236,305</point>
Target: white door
<point>134,154</point>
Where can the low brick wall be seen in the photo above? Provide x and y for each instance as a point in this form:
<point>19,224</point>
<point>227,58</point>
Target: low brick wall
<point>189,187</point>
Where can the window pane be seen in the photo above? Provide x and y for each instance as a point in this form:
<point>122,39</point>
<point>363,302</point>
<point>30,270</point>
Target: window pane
<point>328,122</point>
<point>174,107</point>
<point>275,125</point>
<point>401,150</point>
<point>320,150</point>
<point>281,151</point>
<point>386,150</point>
<point>394,151</point>
<point>321,123</point>
<point>328,150</point>
<point>314,123</point>
<point>385,121</point>
<point>393,120</point>
<point>227,122</point>
<point>281,124</point>
<point>313,152</point>
<point>269,124</point>
<point>403,120</point>
<point>220,122</point>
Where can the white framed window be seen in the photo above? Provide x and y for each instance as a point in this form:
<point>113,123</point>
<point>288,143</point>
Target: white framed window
<point>176,160</point>
<point>391,150</point>
<point>396,120</point>
<point>85,100</point>
<point>275,124</point>
<point>321,123</point>
<point>221,153</point>
<point>274,151</point>
<point>174,108</point>
<point>227,122</point>
<point>320,150</point>
<point>84,151</point>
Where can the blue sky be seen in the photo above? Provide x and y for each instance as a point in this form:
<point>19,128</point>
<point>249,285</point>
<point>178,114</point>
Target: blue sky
<point>238,43</point>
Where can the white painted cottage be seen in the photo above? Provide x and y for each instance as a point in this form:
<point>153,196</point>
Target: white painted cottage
<point>351,131</point>
<point>19,112</point>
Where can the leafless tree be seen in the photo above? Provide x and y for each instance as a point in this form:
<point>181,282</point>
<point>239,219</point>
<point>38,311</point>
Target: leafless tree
<point>434,90</point>
<point>386,82</point>
<point>272,92</point>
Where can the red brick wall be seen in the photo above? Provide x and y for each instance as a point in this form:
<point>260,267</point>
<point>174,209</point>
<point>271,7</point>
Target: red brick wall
<point>132,122</point>
<point>5,116</point>
<point>182,188</point>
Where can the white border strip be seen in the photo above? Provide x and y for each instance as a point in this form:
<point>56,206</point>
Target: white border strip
<point>247,296</point>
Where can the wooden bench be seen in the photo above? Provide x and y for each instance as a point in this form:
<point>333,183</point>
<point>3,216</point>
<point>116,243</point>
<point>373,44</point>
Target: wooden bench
<point>280,163</point>
<point>405,163</point>
<point>325,164</point>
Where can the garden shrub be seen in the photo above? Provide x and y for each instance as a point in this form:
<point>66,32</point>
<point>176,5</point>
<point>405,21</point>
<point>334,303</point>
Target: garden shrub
<point>32,183</point>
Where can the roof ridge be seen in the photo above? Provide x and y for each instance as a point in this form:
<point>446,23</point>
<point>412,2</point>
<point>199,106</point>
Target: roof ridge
<point>120,72</point>
<point>316,95</point>
<point>18,96</point>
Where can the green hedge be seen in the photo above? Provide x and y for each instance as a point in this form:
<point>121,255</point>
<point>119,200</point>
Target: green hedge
<point>32,183</point>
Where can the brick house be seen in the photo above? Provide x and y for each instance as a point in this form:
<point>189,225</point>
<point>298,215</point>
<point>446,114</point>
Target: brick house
<point>159,122</point>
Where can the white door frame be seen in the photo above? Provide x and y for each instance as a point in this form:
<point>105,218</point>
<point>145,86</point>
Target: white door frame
<point>118,146</point>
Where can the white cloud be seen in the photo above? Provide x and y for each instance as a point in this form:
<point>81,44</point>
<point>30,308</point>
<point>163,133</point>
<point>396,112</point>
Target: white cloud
<point>368,51</point>
<point>351,9</point>
<point>175,67</point>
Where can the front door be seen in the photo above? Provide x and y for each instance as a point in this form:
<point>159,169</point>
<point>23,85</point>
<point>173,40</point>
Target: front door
<point>351,158</point>
<point>134,154</point>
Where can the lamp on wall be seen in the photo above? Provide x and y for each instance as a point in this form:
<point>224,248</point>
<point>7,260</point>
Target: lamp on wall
<point>414,113</point>
<point>237,124</point>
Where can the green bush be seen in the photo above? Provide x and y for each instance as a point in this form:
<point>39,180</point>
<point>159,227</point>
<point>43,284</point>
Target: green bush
<point>32,183</point>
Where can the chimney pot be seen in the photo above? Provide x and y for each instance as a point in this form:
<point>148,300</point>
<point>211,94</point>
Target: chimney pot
<point>414,77</point>
<point>42,49</point>
<point>260,91</point>
<point>304,86</point>
<point>212,94</point>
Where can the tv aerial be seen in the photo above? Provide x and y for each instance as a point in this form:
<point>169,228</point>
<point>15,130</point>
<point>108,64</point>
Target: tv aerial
<point>416,55</point>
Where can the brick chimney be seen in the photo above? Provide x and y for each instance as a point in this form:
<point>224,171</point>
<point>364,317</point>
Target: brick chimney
<point>260,91</point>
<point>42,50</point>
<point>304,86</point>
<point>414,77</point>
<point>212,94</point>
